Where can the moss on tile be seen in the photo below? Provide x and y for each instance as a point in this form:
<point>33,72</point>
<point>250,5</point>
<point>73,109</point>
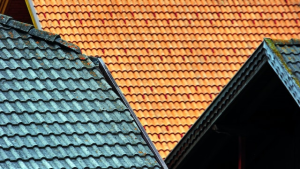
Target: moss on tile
<point>271,43</point>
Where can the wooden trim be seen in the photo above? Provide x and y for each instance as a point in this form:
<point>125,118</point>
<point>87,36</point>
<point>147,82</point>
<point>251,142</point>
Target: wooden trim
<point>33,15</point>
<point>3,6</point>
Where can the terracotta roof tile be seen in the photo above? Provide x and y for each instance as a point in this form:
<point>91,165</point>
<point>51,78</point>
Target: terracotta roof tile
<point>170,57</point>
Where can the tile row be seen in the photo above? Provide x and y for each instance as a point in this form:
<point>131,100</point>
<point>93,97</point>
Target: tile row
<point>47,14</point>
<point>175,92</point>
<point>59,117</point>
<point>79,162</point>
<point>166,8</point>
<point>174,59</point>
<point>155,114</point>
<point>196,101</point>
<point>168,2</point>
<point>168,45</point>
<point>208,78</point>
<point>192,83</point>
<point>169,33</point>
<point>171,105</point>
<point>164,68</point>
<point>167,123</point>
<point>164,153</point>
<point>165,146</point>
<point>159,138</point>
<point>168,22</point>
<point>164,97</point>
<point>129,39</point>
<point>179,80</point>
<point>180,121</point>
<point>168,52</point>
<point>197,33</point>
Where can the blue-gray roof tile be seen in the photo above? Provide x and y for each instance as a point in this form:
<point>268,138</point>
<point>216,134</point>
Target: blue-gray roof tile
<point>57,110</point>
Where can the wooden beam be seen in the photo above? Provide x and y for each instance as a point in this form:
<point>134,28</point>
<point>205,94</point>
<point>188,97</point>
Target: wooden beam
<point>3,6</point>
<point>33,15</point>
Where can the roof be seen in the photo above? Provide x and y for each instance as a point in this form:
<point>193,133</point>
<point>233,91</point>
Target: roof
<point>281,55</point>
<point>57,108</point>
<point>171,58</point>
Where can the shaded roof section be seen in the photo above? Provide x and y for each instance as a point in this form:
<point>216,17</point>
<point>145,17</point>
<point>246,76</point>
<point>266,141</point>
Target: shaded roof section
<point>171,58</point>
<point>57,109</point>
<point>281,55</point>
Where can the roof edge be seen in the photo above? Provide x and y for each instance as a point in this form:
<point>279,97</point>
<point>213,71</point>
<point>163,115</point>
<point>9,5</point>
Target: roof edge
<point>279,66</point>
<point>104,70</point>
<point>33,15</point>
<point>28,28</point>
<point>215,109</point>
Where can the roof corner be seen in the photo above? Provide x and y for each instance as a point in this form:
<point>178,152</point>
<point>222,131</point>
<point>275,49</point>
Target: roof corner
<point>4,18</point>
<point>95,60</point>
<point>48,36</point>
<point>9,21</point>
<point>271,45</point>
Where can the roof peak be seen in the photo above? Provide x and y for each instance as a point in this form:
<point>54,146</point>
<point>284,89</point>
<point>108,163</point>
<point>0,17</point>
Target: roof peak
<point>47,36</point>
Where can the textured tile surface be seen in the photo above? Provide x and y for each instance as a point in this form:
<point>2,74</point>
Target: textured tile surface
<point>290,52</point>
<point>57,110</point>
<point>172,57</point>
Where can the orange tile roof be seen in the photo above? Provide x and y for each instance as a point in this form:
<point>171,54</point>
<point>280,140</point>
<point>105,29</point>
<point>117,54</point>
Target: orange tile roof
<point>170,57</point>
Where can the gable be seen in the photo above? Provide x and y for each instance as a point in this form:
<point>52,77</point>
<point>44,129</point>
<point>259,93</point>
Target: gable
<point>277,57</point>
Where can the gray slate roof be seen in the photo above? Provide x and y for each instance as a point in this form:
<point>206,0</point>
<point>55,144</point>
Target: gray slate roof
<point>282,55</point>
<point>57,110</point>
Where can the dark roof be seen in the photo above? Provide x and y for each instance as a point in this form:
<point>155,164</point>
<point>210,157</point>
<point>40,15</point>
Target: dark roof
<point>57,109</point>
<point>284,58</point>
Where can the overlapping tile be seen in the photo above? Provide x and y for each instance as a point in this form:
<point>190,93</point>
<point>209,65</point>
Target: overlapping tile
<point>57,110</point>
<point>173,55</point>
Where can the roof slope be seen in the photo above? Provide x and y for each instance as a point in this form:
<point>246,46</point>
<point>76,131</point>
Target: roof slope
<point>170,57</point>
<point>281,55</point>
<point>57,110</point>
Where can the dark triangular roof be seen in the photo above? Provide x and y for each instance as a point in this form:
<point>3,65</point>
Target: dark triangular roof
<point>58,110</point>
<point>281,55</point>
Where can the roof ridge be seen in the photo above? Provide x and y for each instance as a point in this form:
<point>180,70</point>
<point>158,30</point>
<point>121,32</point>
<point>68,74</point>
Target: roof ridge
<point>48,36</point>
<point>285,42</point>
